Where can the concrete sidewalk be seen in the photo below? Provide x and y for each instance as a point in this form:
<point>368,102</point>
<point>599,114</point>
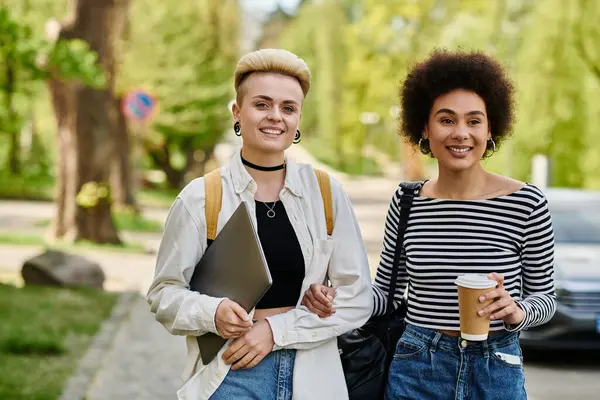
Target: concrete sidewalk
<point>144,363</point>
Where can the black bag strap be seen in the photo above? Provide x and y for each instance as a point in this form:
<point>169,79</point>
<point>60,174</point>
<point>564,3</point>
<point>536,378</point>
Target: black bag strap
<point>409,190</point>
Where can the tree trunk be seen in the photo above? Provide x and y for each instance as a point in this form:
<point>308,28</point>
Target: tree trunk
<point>174,177</point>
<point>161,157</point>
<point>14,155</point>
<point>86,141</point>
<point>62,102</point>
<point>122,179</point>
<point>121,174</point>
<point>14,163</point>
<point>200,169</point>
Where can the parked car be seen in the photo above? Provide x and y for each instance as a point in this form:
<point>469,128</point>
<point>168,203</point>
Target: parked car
<point>576,324</point>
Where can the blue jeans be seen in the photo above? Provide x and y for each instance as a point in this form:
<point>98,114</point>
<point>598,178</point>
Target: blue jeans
<point>271,379</point>
<point>429,365</point>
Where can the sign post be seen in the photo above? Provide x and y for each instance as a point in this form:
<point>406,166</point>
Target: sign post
<point>139,107</point>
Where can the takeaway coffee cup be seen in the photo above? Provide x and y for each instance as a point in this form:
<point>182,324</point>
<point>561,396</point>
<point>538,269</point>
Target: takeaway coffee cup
<point>470,287</point>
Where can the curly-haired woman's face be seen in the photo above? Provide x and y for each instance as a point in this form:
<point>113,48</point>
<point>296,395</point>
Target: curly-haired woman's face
<point>458,129</point>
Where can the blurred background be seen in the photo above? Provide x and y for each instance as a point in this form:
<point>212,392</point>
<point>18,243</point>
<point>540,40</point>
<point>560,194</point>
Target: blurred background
<point>108,108</point>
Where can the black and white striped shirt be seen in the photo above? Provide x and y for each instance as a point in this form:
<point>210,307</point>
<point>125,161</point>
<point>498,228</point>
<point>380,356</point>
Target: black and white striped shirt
<point>511,235</point>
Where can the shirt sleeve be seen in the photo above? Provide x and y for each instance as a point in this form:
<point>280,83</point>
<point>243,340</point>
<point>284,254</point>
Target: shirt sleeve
<point>180,310</point>
<point>349,274</point>
<point>538,295</point>
<point>381,285</point>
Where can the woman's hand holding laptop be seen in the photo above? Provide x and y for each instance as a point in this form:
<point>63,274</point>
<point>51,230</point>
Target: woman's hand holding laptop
<point>231,320</point>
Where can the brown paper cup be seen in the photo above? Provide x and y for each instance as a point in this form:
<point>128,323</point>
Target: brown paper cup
<point>470,287</point>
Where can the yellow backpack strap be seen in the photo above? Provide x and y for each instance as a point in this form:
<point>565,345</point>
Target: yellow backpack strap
<point>325,187</point>
<point>214,195</point>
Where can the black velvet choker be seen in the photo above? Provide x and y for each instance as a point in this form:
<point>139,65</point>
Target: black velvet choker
<point>261,168</point>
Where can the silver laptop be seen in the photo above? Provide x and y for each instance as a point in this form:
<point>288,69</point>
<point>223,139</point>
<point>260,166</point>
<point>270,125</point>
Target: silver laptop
<point>234,266</point>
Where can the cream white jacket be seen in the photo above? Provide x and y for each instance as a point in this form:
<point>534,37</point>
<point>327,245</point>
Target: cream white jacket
<point>341,258</point>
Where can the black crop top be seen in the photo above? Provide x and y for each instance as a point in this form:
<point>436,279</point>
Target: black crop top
<point>284,256</point>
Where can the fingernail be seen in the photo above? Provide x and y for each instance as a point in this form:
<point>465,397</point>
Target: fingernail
<point>482,299</point>
<point>480,312</point>
<point>492,317</point>
<point>330,297</point>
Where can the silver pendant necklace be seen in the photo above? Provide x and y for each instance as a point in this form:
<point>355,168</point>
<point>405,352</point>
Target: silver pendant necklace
<point>271,211</point>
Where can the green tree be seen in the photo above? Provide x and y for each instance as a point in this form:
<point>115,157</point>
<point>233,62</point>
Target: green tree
<point>358,52</point>
<point>272,28</point>
<point>587,43</point>
<point>553,114</point>
<point>85,120</point>
<point>27,61</point>
<point>186,56</point>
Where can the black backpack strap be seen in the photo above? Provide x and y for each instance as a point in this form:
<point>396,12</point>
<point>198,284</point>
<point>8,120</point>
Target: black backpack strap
<point>414,186</point>
<point>409,190</point>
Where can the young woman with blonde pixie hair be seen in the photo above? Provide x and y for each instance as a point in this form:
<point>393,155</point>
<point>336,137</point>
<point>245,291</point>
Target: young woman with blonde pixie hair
<point>281,350</point>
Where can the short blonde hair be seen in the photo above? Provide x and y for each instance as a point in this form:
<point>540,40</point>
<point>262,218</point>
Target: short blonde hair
<point>272,60</point>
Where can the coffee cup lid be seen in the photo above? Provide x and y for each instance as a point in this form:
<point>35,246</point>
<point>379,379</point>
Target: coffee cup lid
<point>475,281</point>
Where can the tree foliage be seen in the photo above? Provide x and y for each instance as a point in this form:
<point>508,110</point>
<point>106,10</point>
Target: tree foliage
<point>550,48</point>
<point>27,61</point>
<point>185,55</point>
<point>554,107</point>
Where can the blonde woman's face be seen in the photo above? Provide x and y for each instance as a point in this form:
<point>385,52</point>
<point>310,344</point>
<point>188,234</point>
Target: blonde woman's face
<point>270,112</point>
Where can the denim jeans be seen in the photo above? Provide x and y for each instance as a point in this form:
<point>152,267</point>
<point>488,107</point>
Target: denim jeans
<point>429,365</point>
<point>271,379</point>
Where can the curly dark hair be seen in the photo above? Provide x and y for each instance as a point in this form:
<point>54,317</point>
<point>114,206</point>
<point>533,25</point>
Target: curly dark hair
<point>445,71</point>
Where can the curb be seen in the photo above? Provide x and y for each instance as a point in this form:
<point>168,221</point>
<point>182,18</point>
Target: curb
<point>78,384</point>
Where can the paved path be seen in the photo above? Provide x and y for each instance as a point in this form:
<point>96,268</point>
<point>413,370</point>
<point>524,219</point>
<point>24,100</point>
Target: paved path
<point>144,363</point>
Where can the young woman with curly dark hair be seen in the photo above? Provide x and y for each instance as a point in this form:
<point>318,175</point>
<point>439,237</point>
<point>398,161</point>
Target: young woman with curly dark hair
<point>457,107</point>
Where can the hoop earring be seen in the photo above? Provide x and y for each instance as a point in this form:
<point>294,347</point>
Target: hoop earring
<point>297,137</point>
<point>493,145</point>
<point>421,148</point>
<point>237,128</point>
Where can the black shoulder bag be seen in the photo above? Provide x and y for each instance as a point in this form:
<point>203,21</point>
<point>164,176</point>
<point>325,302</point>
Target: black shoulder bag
<point>367,352</point>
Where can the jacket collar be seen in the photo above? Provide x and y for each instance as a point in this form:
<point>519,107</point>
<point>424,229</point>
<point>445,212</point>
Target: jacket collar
<point>242,179</point>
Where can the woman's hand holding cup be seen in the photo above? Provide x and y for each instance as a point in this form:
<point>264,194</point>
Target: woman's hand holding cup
<point>231,320</point>
<point>504,306</point>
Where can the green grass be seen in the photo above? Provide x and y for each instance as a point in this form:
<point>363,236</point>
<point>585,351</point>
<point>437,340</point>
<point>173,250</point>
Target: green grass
<point>129,221</point>
<point>162,198</point>
<point>43,334</point>
<point>125,221</point>
<point>26,187</point>
<point>32,240</point>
